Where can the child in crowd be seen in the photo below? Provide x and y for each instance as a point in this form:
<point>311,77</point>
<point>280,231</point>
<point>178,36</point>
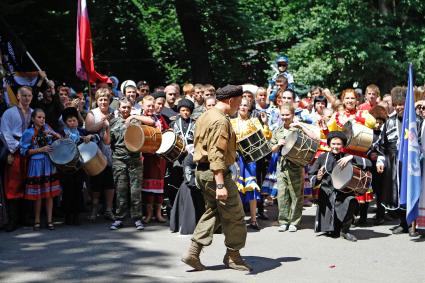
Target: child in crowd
<point>72,181</point>
<point>42,181</point>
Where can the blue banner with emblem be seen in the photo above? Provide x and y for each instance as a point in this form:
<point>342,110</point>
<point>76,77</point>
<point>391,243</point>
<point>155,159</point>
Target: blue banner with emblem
<point>409,154</point>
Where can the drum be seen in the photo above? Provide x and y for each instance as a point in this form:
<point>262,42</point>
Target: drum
<point>359,137</point>
<point>172,146</point>
<point>254,147</point>
<point>142,138</point>
<point>235,171</point>
<point>299,148</point>
<point>94,161</point>
<point>350,178</point>
<point>65,155</point>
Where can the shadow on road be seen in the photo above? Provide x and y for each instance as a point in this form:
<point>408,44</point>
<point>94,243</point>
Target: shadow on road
<point>83,253</point>
<point>260,264</point>
<point>366,234</point>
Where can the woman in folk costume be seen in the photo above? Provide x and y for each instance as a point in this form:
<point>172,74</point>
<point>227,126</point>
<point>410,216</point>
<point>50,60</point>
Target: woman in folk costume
<point>335,209</point>
<point>270,181</point>
<point>349,100</point>
<point>153,168</point>
<point>42,181</point>
<point>247,181</point>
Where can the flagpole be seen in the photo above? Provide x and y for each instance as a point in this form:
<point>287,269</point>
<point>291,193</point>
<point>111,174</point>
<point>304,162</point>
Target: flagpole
<point>90,97</point>
<point>36,65</point>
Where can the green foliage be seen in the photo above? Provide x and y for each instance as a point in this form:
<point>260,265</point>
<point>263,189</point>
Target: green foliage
<point>330,43</point>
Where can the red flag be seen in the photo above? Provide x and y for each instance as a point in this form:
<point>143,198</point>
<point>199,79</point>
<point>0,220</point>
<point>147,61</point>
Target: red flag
<point>84,48</point>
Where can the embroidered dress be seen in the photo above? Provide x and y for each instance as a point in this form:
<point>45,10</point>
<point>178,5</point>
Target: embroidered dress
<point>42,180</point>
<point>154,170</point>
<point>247,179</point>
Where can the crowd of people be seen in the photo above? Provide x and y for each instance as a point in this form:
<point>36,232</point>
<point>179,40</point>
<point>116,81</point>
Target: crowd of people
<point>141,185</point>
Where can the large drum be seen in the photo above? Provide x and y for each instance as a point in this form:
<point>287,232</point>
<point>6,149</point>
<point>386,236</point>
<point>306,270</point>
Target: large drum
<point>172,146</point>
<point>65,155</point>
<point>359,137</point>
<point>254,147</point>
<point>299,148</point>
<point>142,138</point>
<point>350,178</point>
<point>94,161</point>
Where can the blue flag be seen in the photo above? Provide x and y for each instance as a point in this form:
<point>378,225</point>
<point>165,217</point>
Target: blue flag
<point>408,156</point>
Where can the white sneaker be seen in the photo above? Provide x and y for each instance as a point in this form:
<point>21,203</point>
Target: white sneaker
<point>283,228</point>
<point>116,225</point>
<point>292,228</point>
<point>139,225</point>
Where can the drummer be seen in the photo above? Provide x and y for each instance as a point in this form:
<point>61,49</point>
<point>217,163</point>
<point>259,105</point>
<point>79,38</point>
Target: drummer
<point>154,168</point>
<point>184,126</point>
<point>72,183</point>
<point>127,170</point>
<point>349,101</point>
<point>290,177</point>
<point>249,190</point>
<point>335,209</point>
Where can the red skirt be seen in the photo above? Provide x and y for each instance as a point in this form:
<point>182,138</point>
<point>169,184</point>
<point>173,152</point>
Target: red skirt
<point>14,177</point>
<point>153,173</point>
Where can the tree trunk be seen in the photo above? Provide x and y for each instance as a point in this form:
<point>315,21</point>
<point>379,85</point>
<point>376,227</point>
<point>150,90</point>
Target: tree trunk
<point>188,17</point>
<point>383,7</point>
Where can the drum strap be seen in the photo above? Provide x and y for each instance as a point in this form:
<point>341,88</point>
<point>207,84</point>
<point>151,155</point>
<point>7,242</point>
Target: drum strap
<point>185,135</point>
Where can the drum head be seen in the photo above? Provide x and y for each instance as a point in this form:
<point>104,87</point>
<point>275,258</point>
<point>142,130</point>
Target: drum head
<point>64,151</point>
<point>167,142</point>
<point>134,138</point>
<point>342,176</point>
<point>348,131</point>
<point>290,140</point>
<point>87,151</point>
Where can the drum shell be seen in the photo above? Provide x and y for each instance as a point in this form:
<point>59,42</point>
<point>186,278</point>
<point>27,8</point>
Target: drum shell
<point>97,163</point>
<point>359,137</point>
<point>351,179</point>
<point>299,148</point>
<point>65,156</point>
<point>177,148</point>
<point>142,138</point>
<point>254,147</point>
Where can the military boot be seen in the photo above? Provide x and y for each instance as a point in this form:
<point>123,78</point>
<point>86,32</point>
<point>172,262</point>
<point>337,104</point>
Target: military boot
<point>192,257</point>
<point>233,259</point>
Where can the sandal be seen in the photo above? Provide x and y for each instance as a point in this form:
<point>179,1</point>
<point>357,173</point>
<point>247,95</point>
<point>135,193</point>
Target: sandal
<point>36,227</point>
<point>50,226</point>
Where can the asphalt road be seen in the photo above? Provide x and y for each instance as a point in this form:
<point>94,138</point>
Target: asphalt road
<point>93,253</point>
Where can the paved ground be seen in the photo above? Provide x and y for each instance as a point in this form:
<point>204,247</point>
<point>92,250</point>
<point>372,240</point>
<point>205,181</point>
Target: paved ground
<point>92,253</point>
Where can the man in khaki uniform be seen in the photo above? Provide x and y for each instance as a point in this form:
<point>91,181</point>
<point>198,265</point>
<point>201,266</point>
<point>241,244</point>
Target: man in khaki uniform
<point>215,151</point>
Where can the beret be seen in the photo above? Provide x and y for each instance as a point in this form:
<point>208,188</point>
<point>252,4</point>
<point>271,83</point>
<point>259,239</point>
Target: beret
<point>229,91</point>
<point>69,112</point>
<point>186,103</point>
<point>336,134</point>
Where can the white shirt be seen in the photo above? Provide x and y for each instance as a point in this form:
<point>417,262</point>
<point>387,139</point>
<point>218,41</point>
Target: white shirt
<point>11,127</point>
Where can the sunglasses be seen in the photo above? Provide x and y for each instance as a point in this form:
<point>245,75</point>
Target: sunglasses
<point>421,107</point>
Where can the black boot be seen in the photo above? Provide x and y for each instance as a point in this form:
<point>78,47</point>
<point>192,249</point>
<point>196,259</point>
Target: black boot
<point>12,211</point>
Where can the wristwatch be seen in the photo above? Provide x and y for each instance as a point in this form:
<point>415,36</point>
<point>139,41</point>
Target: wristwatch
<point>219,186</point>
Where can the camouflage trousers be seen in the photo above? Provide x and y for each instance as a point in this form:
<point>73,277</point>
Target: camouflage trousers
<point>290,196</point>
<point>228,214</point>
<point>128,177</point>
